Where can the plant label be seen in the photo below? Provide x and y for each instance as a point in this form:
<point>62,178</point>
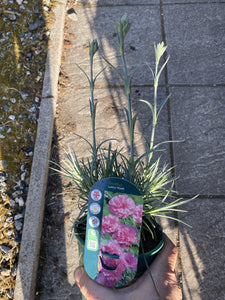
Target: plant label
<point>113,232</point>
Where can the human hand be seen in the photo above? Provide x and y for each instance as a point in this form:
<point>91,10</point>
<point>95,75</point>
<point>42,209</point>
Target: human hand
<point>163,273</point>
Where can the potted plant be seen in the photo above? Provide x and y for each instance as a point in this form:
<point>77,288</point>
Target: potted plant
<point>153,181</point>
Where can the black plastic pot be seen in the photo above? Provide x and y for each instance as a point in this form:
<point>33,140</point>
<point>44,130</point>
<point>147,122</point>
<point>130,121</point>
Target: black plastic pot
<point>146,257</point>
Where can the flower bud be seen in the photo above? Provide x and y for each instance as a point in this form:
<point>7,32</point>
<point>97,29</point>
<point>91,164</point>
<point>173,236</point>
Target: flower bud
<point>93,48</point>
<point>159,50</point>
<point>123,26</point>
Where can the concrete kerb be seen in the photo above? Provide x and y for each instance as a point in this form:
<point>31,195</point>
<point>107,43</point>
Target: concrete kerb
<point>30,244</point>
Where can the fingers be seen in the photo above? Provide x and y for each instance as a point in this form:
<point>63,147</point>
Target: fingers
<point>89,288</point>
<point>167,257</point>
<point>78,274</point>
<point>171,252</point>
<point>163,265</point>
<point>84,282</point>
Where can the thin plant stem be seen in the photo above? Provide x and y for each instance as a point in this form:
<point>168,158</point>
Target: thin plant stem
<point>92,106</point>
<point>154,116</point>
<point>127,87</point>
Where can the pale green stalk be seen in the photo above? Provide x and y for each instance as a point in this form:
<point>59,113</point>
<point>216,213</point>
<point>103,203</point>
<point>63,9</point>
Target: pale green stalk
<point>123,26</point>
<point>159,51</point>
<point>93,48</point>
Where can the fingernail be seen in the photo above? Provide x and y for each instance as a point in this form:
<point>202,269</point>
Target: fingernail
<point>78,274</point>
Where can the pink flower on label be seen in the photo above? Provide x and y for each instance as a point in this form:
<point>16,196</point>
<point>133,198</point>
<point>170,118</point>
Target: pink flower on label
<point>126,235</point>
<point>129,261</point>
<point>110,224</point>
<point>110,278</point>
<point>109,262</point>
<point>137,215</point>
<point>121,206</point>
<point>111,247</point>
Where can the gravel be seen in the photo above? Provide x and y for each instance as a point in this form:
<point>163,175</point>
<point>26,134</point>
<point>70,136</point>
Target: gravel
<point>24,37</point>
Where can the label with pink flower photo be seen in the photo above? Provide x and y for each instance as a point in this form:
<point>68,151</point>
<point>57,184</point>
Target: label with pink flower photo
<point>119,228</point>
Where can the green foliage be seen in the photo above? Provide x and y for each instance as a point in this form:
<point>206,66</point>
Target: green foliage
<point>153,180</point>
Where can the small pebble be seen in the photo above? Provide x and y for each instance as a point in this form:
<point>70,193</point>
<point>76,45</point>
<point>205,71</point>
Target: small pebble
<point>18,217</point>
<point>13,100</point>
<point>12,203</point>
<point>32,109</point>
<point>4,249</point>
<point>18,225</point>
<point>36,24</point>
<point>6,107</point>
<point>10,292</point>
<point>46,8</point>
<point>12,117</point>
<point>72,14</point>
<point>3,164</point>
<point>5,272</point>
<point>24,95</point>
<point>19,1</point>
<point>38,78</point>
<point>9,233</point>
<point>16,194</point>
<point>9,219</point>
<point>12,17</point>
<point>22,176</point>
<point>13,271</point>
<point>18,238</point>
<point>20,201</point>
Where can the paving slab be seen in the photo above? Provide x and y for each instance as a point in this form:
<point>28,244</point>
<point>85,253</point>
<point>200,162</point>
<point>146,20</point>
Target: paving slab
<point>202,250</point>
<point>110,119</point>
<point>99,22</point>
<point>198,117</point>
<point>190,1</point>
<point>195,35</point>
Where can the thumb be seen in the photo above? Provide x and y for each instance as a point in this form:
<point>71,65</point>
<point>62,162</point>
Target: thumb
<point>90,288</point>
<point>167,257</point>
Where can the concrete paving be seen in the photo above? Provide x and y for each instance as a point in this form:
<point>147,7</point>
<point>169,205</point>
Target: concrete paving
<point>194,33</point>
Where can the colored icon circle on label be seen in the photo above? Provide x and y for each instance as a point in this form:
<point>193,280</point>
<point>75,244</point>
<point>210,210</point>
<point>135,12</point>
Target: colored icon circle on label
<point>96,195</point>
<point>94,222</point>
<point>92,233</point>
<point>95,208</point>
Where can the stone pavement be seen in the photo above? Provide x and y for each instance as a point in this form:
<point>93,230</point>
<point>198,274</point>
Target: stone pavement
<point>194,33</point>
